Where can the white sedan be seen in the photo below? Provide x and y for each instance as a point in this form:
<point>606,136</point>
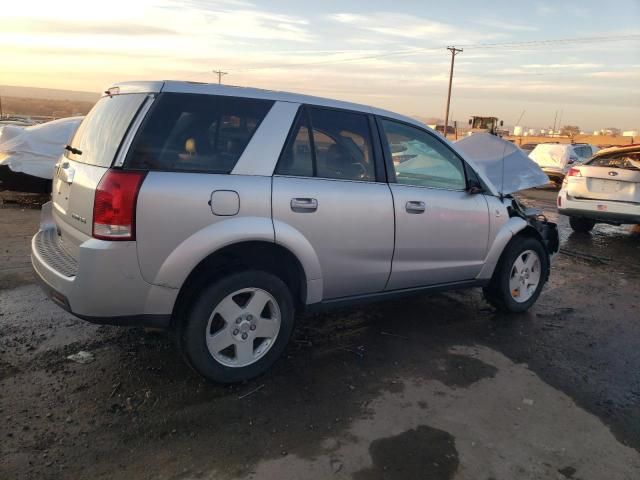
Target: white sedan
<point>605,189</point>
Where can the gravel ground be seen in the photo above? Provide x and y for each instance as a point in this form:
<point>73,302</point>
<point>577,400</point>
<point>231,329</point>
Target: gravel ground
<point>438,387</point>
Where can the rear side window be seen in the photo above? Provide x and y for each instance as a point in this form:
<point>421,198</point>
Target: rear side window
<point>193,132</point>
<point>102,130</point>
<point>339,146</point>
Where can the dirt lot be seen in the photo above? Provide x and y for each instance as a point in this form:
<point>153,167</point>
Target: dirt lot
<point>437,387</point>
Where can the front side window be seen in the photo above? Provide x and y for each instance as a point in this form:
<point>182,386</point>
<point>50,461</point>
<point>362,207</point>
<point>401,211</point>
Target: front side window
<point>420,159</point>
<point>194,132</point>
<point>339,146</point>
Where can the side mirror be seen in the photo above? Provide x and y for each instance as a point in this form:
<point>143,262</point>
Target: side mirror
<point>474,187</point>
<point>501,123</point>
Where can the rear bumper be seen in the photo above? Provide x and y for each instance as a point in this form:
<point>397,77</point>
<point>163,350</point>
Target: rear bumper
<point>599,210</point>
<point>104,285</point>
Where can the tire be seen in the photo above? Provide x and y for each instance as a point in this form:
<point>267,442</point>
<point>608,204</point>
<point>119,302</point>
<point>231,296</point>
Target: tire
<point>205,330</point>
<point>500,293</point>
<point>581,225</point>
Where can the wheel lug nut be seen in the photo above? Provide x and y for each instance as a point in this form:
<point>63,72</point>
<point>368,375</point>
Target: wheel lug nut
<point>249,317</point>
<point>238,320</point>
<point>252,327</point>
<point>236,331</point>
<point>244,336</point>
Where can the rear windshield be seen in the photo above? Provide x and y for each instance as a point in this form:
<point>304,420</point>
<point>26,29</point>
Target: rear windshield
<point>102,130</point>
<point>193,132</point>
<point>627,160</point>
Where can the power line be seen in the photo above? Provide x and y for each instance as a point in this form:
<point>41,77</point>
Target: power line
<point>418,51</point>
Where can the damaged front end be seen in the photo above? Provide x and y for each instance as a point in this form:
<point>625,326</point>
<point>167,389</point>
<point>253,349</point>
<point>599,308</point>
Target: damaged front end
<point>546,230</point>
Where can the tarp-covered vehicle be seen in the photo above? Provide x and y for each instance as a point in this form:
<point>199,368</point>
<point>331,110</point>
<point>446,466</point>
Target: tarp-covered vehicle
<point>28,154</point>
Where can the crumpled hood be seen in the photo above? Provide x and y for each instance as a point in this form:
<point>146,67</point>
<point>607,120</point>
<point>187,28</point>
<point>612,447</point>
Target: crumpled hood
<point>35,150</point>
<point>516,172</point>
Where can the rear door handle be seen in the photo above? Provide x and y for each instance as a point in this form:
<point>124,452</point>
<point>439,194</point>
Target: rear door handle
<point>415,207</point>
<point>304,205</point>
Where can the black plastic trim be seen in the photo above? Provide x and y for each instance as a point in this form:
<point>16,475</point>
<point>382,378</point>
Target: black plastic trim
<point>391,295</point>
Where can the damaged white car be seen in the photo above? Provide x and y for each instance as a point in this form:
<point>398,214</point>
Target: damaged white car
<point>606,189</point>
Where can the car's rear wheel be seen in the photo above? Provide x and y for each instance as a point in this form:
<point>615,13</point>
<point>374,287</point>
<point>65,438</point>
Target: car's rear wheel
<point>519,276</point>
<point>581,225</point>
<point>238,326</point>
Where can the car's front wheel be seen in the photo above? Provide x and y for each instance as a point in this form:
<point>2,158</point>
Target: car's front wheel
<point>519,276</point>
<point>581,225</point>
<point>238,326</point>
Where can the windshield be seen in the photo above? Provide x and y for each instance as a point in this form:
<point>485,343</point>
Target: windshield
<point>483,122</point>
<point>102,130</point>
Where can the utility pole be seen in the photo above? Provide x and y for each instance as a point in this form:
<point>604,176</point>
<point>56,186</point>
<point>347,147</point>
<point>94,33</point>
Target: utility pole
<point>454,51</point>
<point>220,73</point>
<point>553,132</point>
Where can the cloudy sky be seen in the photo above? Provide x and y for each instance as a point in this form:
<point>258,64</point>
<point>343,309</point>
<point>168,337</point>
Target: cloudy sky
<point>388,54</point>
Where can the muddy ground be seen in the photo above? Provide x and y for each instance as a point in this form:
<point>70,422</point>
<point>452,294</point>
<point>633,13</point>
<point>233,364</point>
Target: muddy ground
<point>437,387</point>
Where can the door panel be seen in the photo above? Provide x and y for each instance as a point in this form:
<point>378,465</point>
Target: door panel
<point>349,224</point>
<point>446,242</point>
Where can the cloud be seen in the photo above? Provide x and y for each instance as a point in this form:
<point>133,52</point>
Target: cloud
<point>69,27</point>
<point>396,24</point>
<point>240,19</point>
<point>616,74</point>
<point>545,9</point>
<point>567,66</point>
<point>505,25</point>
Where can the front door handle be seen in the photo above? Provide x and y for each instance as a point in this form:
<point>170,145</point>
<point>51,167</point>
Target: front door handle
<point>415,207</point>
<point>304,205</point>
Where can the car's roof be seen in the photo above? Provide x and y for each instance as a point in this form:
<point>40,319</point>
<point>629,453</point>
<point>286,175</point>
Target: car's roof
<point>229,90</point>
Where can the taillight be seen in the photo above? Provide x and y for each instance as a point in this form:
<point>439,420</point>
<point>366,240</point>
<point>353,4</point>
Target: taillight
<point>114,206</point>
<point>574,172</point>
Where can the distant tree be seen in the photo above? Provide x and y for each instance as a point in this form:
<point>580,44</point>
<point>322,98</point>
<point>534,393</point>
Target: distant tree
<point>570,130</point>
<point>613,131</point>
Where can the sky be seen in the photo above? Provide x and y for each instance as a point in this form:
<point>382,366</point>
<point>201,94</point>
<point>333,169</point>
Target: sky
<point>524,60</point>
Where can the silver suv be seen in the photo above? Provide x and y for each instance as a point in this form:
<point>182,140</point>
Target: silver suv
<point>219,212</point>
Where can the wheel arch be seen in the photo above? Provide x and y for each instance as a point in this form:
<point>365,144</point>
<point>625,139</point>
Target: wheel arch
<point>240,256</point>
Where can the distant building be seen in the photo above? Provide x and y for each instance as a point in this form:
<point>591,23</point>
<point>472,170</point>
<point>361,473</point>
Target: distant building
<point>630,133</point>
<point>518,131</point>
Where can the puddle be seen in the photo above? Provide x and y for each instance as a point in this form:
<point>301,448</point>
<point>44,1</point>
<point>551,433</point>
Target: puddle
<point>423,452</point>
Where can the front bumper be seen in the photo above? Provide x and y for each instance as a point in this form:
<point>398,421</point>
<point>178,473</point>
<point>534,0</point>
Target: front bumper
<point>604,211</point>
<point>103,285</point>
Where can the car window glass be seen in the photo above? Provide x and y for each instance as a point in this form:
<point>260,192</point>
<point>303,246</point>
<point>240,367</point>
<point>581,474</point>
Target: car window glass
<point>194,132</point>
<point>341,147</point>
<point>420,159</point>
<point>630,161</point>
<point>102,130</point>
<point>297,158</point>
<point>342,143</point>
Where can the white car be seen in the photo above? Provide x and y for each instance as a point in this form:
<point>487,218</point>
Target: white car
<point>555,159</point>
<point>606,189</point>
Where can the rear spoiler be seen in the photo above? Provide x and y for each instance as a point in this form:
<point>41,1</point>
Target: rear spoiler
<point>133,87</point>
